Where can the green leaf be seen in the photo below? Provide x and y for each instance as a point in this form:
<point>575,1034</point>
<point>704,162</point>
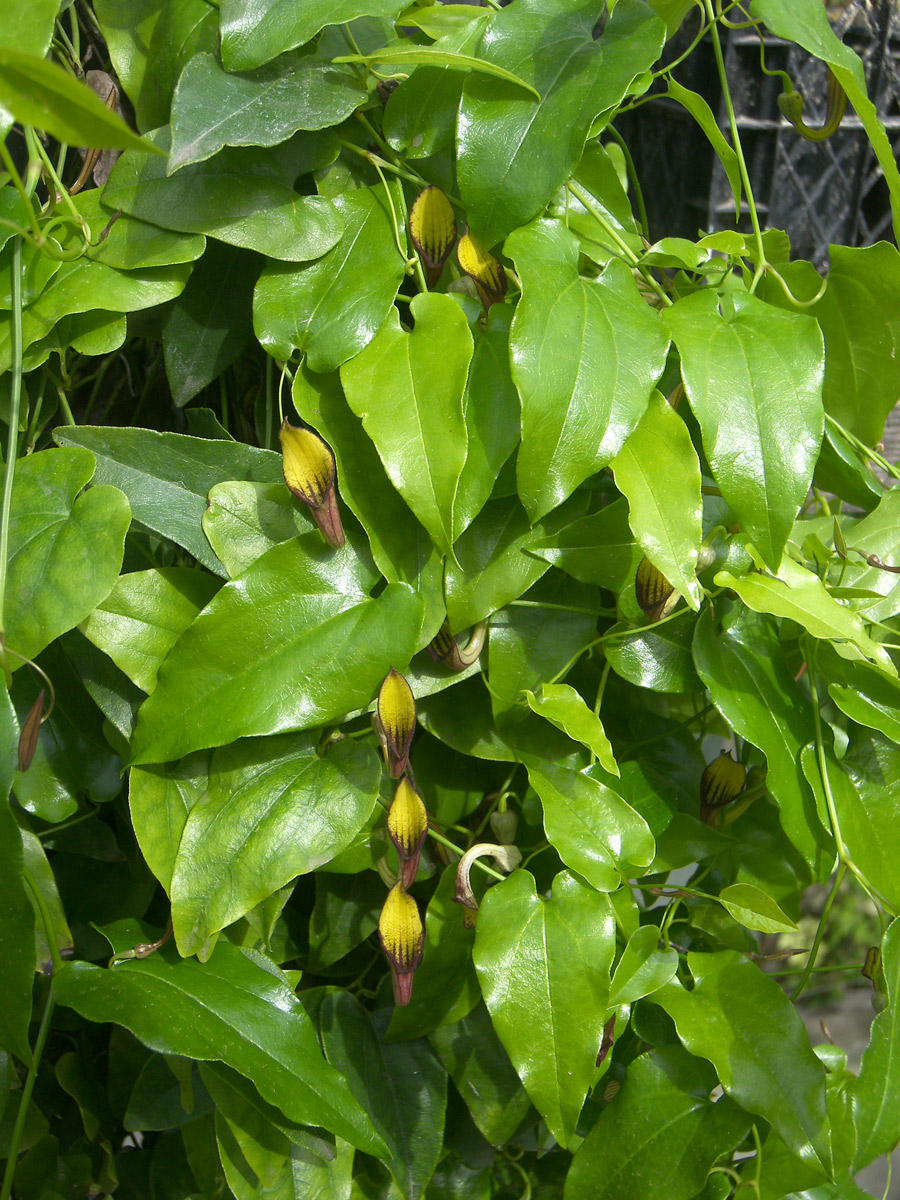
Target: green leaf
<point>30,25</point>
<point>212,108</point>
<point>400,545</point>
<point>564,707</point>
<point>609,223</point>
<point>660,1135</point>
<point>274,810</point>
<point>445,986</point>
<point>255,31</point>
<point>753,687</point>
<point>753,909</point>
<point>167,476</point>
<point>595,832</point>
<point>65,549</point>
<point>149,42</point>
<point>742,1021</point>
<point>127,244</point>
<point>244,520</point>
<point>407,388</point>
<point>236,1008</point>
<point>401,56</point>
<point>244,197</point>
<point>16,916</point>
<point>544,966</point>
<point>210,324</point>
<point>307,309</point>
<point>584,365</point>
<point>49,916</point>
<point>143,617</point>
<point>403,1086</point>
<point>643,968</point>
<point>876,1091</point>
<point>483,1074</point>
<point>654,657</point>
<point>750,376</point>
<point>40,93</point>
<point>598,549</point>
<point>705,118</point>
<point>879,533</point>
<point>657,470</point>
<point>863,693</point>
<point>268,653</point>
<point>862,331</point>
<point>801,596</point>
<point>160,800</point>
<point>345,913</point>
<point>514,152</point>
<point>807,24</point>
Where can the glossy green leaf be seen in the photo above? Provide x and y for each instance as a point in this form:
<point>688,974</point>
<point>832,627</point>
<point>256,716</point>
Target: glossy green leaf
<point>515,151</point>
<point>244,520</point>
<point>274,810</point>
<point>658,472</point>
<point>876,1092</point>
<point>491,407</point>
<point>879,533</point>
<point>255,31</point>
<point>160,1099</point>
<point>643,968</point>
<point>608,223</point>
<point>445,987</point>
<point>751,377</point>
<point>654,657</point>
<point>752,686</point>
<point>149,42</point>
<point>50,924</point>
<point>863,693</point>
<point>461,718</point>
<point>306,309</point>
<point>167,476</point>
<point>127,244</point>
<point>595,832</point>
<point>403,1086</point>
<point>745,1025</point>
<point>752,908</point>
<point>212,108</point>
<point>40,93</point>
<point>65,549</point>
<point>160,800</point>
<point>800,595</point>
<point>30,25</point>
<point>210,324</point>
<point>16,917</point>
<point>345,913</point>
<point>144,615</point>
<point>584,365</point>
<point>271,652</point>
<point>400,545</point>
<point>544,971</point>
<point>597,549</point>
<point>705,118</point>
<point>483,1074</point>
<point>407,388</point>
<point>564,707</point>
<point>660,1135</point>
<point>237,1008</point>
<point>806,24</point>
<point>244,197</point>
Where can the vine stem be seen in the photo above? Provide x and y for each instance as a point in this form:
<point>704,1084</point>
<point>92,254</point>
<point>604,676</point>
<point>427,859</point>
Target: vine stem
<point>761,263</point>
<point>25,1099</point>
<point>14,405</point>
<point>820,930</point>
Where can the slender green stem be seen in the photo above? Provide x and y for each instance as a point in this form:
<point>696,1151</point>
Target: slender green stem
<point>25,1100</point>
<point>439,837</point>
<point>572,608</point>
<point>823,760</point>
<point>64,405</point>
<point>17,183</point>
<point>761,263</point>
<point>820,930</point>
<point>375,160</point>
<point>575,657</point>
<point>862,449</point>
<point>632,175</point>
<point>14,406</point>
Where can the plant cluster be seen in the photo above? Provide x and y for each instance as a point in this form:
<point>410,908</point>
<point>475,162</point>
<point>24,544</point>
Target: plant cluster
<point>368,833</point>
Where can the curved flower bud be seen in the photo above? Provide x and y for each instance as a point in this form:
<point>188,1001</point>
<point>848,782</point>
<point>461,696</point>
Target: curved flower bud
<point>395,715</point>
<point>507,859</point>
<point>721,783</point>
<point>407,824</point>
<point>445,648</point>
<point>28,738</point>
<point>484,269</point>
<point>432,227</point>
<point>504,824</point>
<point>309,471</point>
<point>653,592</point>
<point>402,938</point>
<point>791,104</point>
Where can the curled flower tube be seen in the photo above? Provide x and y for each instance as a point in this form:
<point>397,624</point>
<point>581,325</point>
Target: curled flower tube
<point>407,825</point>
<point>309,472</point>
<point>395,721</point>
<point>445,648</point>
<point>507,859</point>
<point>402,938</point>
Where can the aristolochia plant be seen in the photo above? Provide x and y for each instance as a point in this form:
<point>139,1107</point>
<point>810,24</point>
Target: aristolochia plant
<point>369,831</point>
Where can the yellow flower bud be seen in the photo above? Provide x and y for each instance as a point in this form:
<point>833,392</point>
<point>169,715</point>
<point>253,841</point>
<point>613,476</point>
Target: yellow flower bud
<point>309,471</point>
<point>484,269</point>
<point>432,226</point>
<point>402,939</point>
<point>654,593</point>
<point>407,825</point>
<point>721,783</point>
<point>396,721</point>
